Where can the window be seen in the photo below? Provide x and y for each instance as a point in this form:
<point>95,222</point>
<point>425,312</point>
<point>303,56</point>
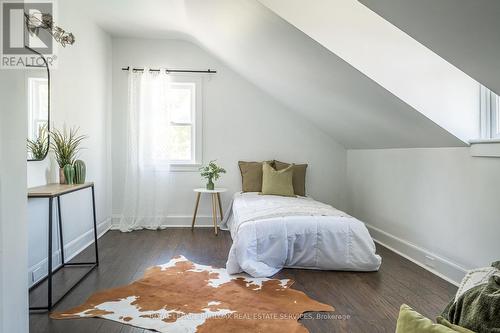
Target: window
<point>181,105</point>
<point>490,114</point>
<point>165,121</point>
<point>184,105</point>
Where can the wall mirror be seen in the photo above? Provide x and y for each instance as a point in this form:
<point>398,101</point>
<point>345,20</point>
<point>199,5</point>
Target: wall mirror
<point>38,108</point>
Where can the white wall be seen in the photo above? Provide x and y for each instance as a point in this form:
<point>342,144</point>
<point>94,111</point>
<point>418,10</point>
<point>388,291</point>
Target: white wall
<point>80,97</point>
<point>391,58</point>
<point>439,202</point>
<point>13,227</point>
<point>240,122</point>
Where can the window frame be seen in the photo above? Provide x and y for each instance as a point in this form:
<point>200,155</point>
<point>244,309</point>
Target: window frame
<point>495,124</point>
<point>197,124</point>
<point>489,114</point>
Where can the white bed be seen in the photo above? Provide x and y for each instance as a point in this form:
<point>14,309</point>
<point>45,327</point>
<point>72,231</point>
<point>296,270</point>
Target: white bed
<point>271,232</point>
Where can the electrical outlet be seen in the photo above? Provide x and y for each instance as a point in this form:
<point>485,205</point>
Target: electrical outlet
<point>430,261</point>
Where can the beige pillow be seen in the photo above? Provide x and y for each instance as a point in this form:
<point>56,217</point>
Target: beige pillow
<point>251,176</point>
<point>276,182</point>
<point>299,176</point>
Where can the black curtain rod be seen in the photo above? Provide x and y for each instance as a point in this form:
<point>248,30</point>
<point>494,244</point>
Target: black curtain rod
<point>209,71</point>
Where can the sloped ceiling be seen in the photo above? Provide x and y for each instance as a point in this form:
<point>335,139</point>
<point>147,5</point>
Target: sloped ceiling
<point>464,32</point>
<point>390,57</point>
<point>285,63</point>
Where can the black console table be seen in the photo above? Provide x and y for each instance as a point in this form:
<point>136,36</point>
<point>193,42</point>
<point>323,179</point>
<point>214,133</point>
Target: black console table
<point>51,192</point>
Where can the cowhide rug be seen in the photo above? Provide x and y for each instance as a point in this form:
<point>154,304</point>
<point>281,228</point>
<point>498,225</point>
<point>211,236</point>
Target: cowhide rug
<point>182,296</point>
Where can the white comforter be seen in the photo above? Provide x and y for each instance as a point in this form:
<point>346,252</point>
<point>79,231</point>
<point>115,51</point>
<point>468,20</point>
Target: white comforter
<point>272,232</point>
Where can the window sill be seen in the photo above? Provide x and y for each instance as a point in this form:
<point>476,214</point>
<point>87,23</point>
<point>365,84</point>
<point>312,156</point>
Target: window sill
<point>185,167</point>
<point>481,141</point>
<point>485,148</point>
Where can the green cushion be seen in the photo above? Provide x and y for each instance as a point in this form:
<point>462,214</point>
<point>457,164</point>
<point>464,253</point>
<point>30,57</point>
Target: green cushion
<point>299,176</point>
<point>444,322</point>
<point>410,321</point>
<point>277,182</point>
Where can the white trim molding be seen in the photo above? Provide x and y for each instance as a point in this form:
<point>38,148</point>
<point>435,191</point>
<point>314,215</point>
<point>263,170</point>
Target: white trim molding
<point>185,167</point>
<point>175,221</point>
<point>444,268</point>
<point>71,250</point>
<point>485,148</point>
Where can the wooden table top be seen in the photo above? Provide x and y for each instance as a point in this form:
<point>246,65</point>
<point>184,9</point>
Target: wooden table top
<point>215,190</point>
<point>54,190</point>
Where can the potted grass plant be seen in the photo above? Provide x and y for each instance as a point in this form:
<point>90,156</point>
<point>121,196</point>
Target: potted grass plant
<point>66,146</point>
<point>211,172</point>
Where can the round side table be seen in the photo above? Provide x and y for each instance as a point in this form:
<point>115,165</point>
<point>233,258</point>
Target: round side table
<point>215,202</point>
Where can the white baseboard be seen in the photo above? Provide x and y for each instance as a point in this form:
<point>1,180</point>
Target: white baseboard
<point>71,250</point>
<point>432,262</point>
<point>176,221</point>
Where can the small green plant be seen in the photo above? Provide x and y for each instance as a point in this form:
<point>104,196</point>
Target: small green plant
<point>66,145</point>
<point>37,148</point>
<point>211,172</point>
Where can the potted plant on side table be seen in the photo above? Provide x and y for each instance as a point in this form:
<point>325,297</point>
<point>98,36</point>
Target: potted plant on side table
<point>66,147</point>
<point>211,172</point>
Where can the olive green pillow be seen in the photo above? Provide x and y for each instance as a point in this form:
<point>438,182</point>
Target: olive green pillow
<point>276,182</point>
<point>251,176</point>
<point>410,321</point>
<point>299,176</point>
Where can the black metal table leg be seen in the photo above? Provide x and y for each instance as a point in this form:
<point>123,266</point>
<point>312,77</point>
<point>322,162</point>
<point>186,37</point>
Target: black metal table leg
<point>49,258</point>
<point>61,241</point>
<point>51,303</point>
<point>95,227</point>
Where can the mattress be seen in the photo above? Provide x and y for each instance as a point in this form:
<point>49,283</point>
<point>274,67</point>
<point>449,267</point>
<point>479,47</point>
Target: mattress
<point>272,232</point>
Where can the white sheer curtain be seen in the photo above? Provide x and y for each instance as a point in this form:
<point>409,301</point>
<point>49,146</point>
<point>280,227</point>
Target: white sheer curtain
<point>147,177</point>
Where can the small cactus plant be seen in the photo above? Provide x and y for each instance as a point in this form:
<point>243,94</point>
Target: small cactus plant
<point>69,174</point>
<point>80,171</point>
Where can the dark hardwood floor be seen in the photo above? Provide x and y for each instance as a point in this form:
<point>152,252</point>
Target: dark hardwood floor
<point>364,302</point>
